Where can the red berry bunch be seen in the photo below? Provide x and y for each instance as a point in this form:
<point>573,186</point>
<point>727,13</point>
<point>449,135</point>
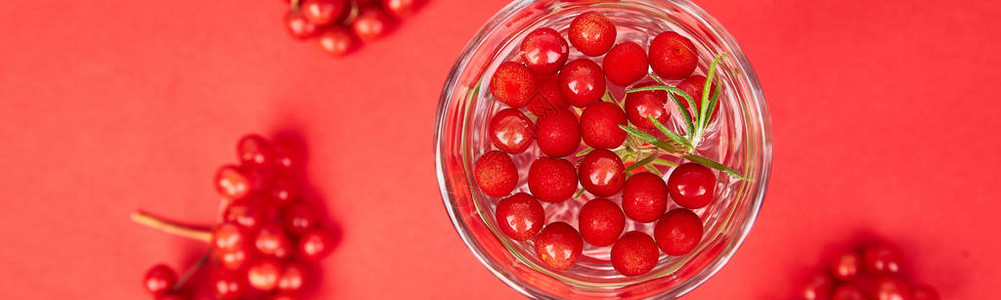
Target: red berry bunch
<point>874,272</point>
<point>340,26</point>
<point>266,236</point>
<point>567,102</point>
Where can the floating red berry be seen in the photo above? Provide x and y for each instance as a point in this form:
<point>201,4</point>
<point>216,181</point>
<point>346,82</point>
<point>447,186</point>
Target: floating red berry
<point>592,33</point>
<point>495,173</point>
<point>582,82</point>
<point>673,56</point>
<point>881,259</point>
<point>601,222</point>
<point>511,131</point>
<point>232,183</point>
<point>520,216</point>
<point>322,12</point>
<point>544,50</point>
<point>371,24</point>
<point>549,99</point>
<point>678,232</point>
<point>640,106</point>
<point>692,185</point>
<point>160,279</point>
<point>559,246</point>
<point>336,41</point>
<point>228,285</point>
<point>635,253</point>
<point>513,84</point>
<point>602,173</point>
<point>552,179</point>
<point>694,85</point>
<point>644,197</point>
<point>263,274</point>
<point>558,133</point>
<point>599,125</point>
<point>845,266</point>
<point>625,64</point>
<point>298,26</point>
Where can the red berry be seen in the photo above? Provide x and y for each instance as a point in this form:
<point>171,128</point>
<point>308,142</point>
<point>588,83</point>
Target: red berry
<point>635,253</point>
<point>882,259</point>
<point>601,222</point>
<point>924,292</point>
<point>559,246</point>
<point>228,285</point>
<point>370,24</point>
<point>694,85</point>
<point>602,173</point>
<point>644,197</point>
<point>819,287</point>
<point>520,216</point>
<point>298,26</point>
<point>299,218</point>
<point>272,240</point>
<point>315,245</point>
<point>263,274</point>
<point>582,82</point>
<point>673,56</point>
<point>233,259</point>
<point>558,133</point>
<point>254,150</point>
<point>336,41</point>
<point>511,131</point>
<point>293,277</point>
<point>232,182</point>
<point>552,179</point>
<point>170,297</point>
<point>641,105</point>
<point>286,160</point>
<point>592,33</point>
<point>399,8</point>
<point>322,12</point>
<point>282,297</point>
<point>284,191</point>
<point>846,266</point>
<point>625,63</point>
<point>891,288</point>
<point>692,185</point>
<point>247,214</point>
<point>228,236</point>
<point>159,280</point>
<point>495,173</point>
<point>513,84</point>
<point>599,125</point>
<point>544,50</point>
<point>848,292</point>
<point>549,99</point>
<point>678,231</point>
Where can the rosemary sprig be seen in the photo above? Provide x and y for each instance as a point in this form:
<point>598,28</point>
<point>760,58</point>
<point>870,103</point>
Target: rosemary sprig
<point>670,134</point>
<point>689,121</point>
<point>643,162</point>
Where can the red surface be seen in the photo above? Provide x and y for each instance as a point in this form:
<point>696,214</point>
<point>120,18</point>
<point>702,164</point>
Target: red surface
<point>885,113</point>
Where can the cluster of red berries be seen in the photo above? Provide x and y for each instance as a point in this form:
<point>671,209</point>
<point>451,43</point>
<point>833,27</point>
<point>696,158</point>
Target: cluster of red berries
<point>542,81</point>
<point>266,236</point>
<point>868,273</point>
<point>340,26</point>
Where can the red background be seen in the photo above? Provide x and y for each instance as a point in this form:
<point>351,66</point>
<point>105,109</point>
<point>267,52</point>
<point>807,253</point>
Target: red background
<point>885,124</point>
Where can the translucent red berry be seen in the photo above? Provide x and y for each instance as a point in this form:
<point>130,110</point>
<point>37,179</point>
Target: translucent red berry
<point>559,246</point>
<point>234,259</point>
<point>644,197</point>
<point>228,236</point>
<point>284,191</point>
<point>322,12</point>
<point>558,134</point>
<point>845,266</point>
<point>640,106</point>
<point>400,8</point>
<point>692,185</point>
<point>601,222</point>
<point>672,56</point>
<point>848,292</point>
<point>882,259</point>
<point>544,50</point>
<point>511,131</point>
<point>889,287</point>
<point>228,285</point>
<point>272,240</point>
<point>602,173</point>
<point>818,287</point>
<point>159,279</point>
<point>520,216</point>
<point>254,150</point>
<point>549,99</point>
<point>625,64</point>
<point>495,173</point>
<point>298,26</point>
<point>263,274</point>
<point>635,253</point>
<point>592,33</point>
<point>552,179</point>
<point>582,82</point>
<point>678,232</point>
<point>336,41</point>
<point>247,214</point>
<point>315,245</point>
<point>232,182</point>
<point>371,24</point>
<point>299,218</point>
<point>694,85</point>
<point>599,125</point>
<point>513,84</point>
<point>292,279</point>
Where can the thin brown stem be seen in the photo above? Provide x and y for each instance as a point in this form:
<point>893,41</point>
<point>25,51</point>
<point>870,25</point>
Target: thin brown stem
<point>155,222</point>
<point>191,271</point>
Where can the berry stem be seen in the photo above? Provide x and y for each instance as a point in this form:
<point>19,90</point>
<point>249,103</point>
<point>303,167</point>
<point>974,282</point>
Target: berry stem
<point>174,228</point>
<point>191,271</point>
